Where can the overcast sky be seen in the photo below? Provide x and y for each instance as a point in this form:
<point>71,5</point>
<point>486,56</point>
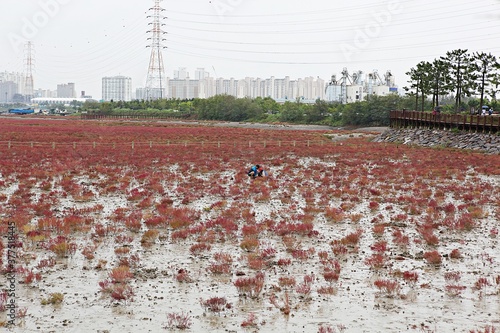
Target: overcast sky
<point>82,41</point>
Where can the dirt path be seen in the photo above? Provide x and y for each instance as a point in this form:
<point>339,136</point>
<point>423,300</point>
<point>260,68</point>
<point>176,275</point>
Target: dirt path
<point>294,127</point>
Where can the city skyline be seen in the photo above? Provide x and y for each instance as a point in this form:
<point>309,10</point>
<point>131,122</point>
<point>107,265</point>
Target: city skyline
<point>347,88</point>
<point>75,42</point>
<point>181,85</point>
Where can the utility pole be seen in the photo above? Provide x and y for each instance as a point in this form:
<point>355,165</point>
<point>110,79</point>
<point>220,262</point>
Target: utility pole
<point>156,72</point>
<point>28,81</point>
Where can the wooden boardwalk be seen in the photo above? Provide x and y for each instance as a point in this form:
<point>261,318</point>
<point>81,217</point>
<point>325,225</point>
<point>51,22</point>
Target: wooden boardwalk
<point>419,119</point>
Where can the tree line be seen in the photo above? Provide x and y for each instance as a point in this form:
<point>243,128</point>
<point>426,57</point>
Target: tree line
<point>459,74</point>
<point>372,112</point>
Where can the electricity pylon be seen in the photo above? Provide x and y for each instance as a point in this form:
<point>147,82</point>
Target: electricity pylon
<point>28,69</point>
<point>156,73</point>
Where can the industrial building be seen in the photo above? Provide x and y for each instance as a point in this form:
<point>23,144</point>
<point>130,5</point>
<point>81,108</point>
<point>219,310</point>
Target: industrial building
<point>357,86</point>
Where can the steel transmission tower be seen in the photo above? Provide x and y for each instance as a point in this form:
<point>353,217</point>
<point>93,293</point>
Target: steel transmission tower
<point>155,80</point>
<point>28,81</point>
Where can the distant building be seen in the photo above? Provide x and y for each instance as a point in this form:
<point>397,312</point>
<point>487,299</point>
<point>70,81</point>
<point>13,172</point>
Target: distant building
<point>183,88</point>
<point>13,84</point>
<point>84,95</point>
<point>117,88</point>
<point>140,93</point>
<point>7,91</point>
<point>201,74</point>
<point>181,74</point>
<point>204,86</point>
<point>66,90</point>
<point>357,87</point>
<point>45,93</point>
<point>226,87</point>
<point>154,93</point>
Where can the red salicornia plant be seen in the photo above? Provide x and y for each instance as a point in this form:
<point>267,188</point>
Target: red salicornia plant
<point>215,304</point>
<point>250,286</point>
<point>387,287</point>
<point>180,321</point>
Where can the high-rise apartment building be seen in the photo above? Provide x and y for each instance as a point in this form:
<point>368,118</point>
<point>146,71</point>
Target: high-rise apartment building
<point>183,88</point>
<point>66,90</point>
<point>200,74</point>
<point>7,91</point>
<point>13,83</point>
<point>117,88</point>
<point>45,93</point>
<point>181,74</point>
<point>204,86</point>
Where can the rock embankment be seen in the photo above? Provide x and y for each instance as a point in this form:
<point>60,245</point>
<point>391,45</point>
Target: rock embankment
<point>488,143</point>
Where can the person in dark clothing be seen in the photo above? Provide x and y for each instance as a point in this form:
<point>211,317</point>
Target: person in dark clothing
<point>256,171</point>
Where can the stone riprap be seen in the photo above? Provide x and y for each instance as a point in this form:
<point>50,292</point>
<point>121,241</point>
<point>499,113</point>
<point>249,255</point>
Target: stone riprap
<point>485,142</point>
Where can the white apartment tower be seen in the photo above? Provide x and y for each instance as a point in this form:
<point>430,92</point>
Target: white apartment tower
<point>201,74</point>
<point>181,74</point>
<point>117,88</point>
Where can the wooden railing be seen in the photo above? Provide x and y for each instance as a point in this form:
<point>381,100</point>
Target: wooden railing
<point>132,116</point>
<point>419,119</point>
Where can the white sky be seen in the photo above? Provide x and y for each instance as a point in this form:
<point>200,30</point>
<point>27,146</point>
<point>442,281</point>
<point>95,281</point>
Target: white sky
<point>82,41</point>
